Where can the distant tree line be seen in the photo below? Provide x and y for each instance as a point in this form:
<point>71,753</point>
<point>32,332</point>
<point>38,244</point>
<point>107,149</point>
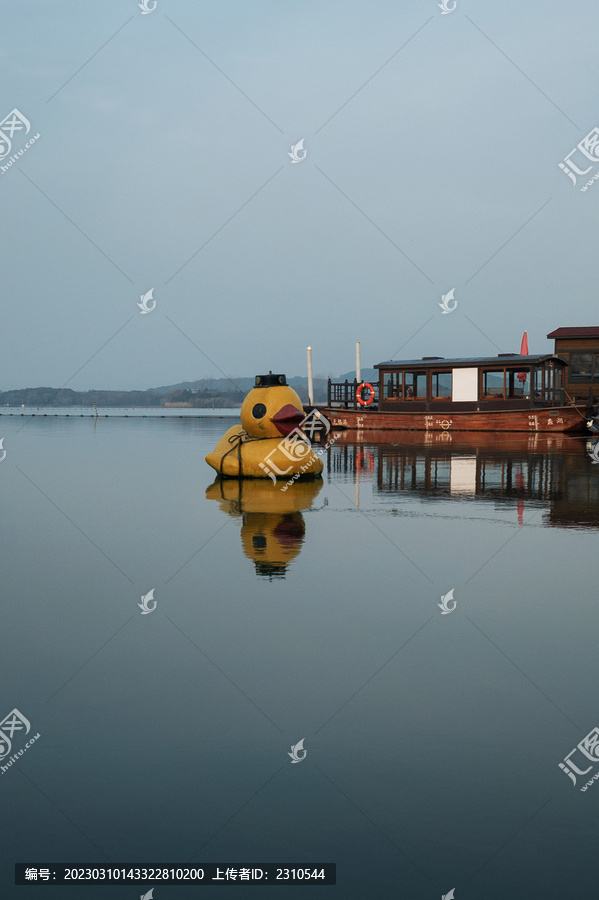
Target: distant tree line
<point>63,397</point>
<point>204,399</point>
<point>221,393</point>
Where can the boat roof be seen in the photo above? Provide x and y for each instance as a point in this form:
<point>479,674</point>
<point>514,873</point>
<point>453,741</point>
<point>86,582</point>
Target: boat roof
<point>586,331</point>
<point>502,359</point>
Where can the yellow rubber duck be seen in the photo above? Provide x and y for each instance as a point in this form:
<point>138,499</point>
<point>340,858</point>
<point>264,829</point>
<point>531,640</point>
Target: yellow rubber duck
<point>267,444</point>
<point>272,525</point>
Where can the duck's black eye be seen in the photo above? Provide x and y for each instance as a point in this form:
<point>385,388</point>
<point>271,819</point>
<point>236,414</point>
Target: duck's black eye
<point>259,410</point>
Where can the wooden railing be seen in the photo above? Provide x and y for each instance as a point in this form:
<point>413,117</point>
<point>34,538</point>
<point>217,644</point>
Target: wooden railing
<point>342,394</point>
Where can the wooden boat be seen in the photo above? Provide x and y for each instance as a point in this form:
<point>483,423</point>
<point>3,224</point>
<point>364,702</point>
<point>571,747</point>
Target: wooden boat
<point>508,392</point>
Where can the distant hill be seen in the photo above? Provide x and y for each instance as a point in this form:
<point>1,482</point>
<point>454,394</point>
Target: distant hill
<point>245,384</point>
<point>48,396</point>
<point>366,375</point>
<point>223,393</point>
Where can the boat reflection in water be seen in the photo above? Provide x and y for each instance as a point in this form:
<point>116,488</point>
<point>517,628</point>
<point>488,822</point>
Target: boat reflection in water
<point>272,525</point>
<point>556,473</point>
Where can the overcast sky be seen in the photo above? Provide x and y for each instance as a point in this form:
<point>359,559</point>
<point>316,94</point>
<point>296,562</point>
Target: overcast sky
<point>432,148</point>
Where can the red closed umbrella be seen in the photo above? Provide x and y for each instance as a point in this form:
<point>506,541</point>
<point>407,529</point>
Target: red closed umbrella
<point>523,352</point>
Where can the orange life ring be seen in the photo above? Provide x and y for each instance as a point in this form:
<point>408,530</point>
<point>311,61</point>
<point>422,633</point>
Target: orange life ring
<point>365,384</point>
<point>365,461</point>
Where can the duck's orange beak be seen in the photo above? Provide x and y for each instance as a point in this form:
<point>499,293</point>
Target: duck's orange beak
<point>287,418</point>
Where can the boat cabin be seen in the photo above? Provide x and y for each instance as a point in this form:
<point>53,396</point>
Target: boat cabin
<point>580,348</point>
<point>505,382</point>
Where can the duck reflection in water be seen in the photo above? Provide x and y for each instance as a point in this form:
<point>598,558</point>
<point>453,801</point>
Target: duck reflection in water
<point>272,525</point>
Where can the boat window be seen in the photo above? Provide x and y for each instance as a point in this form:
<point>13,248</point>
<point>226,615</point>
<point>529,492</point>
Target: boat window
<point>518,383</point>
<point>538,381</point>
<point>415,386</point>
<point>584,366</point>
<point>393,385</point>
<point>441,385</point>
<point>492,384</point>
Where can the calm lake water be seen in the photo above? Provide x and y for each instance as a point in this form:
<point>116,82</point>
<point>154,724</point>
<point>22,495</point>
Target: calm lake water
<point>125,412</point>
<point>432,740</point>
